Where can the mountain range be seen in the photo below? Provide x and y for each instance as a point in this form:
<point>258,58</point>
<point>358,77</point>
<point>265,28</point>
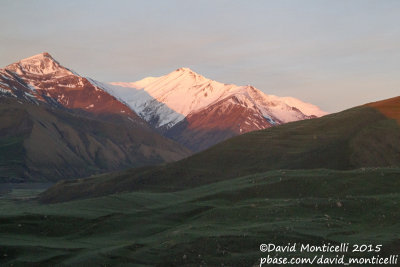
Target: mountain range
<point>199,112</point>
<point>58,124</point>
<point>55,124</point>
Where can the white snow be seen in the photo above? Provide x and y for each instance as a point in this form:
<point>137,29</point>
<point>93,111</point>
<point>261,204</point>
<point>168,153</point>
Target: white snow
<point>3,84</point>
<point>69,85</point>
<point>7,92</point>
<point>31,87</point>
<point>39,64</point>
<point>139,84</point>
<point>166,100</point>
<point>5,76</point>
<point>170,98</point>
<point>4,90</point>
<point>306,108</point>
<point>28,94</point>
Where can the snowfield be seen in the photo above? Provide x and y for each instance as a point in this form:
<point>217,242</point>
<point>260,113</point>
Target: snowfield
<point>168,99</point>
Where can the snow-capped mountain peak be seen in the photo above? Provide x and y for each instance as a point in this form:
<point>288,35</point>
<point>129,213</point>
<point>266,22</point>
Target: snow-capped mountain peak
<point>164,101</point>
<point>40,64</point>
<point>184,69</point>
<point>189,74</point>
<point>184,105</point>
<point>181,73</point>
<point>42,79</point>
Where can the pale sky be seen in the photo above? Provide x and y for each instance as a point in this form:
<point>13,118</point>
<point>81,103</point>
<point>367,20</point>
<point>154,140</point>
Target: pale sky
<point>335,54</point>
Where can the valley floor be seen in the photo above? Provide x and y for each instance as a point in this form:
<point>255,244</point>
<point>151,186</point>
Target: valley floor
<point>221,224</point>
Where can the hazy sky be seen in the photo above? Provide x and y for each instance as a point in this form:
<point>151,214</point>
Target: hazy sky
<point>335,54</point>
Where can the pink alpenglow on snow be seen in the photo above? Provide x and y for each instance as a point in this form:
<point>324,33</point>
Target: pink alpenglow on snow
<point>174,96</point>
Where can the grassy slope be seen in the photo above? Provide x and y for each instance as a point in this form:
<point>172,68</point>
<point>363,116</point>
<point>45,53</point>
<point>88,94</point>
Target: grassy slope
<point>11,158</point>
<point>360,137</point>
<point>38,143</point>
<point>224,219</point>
<point>223,222</point>
<point>15,126</point>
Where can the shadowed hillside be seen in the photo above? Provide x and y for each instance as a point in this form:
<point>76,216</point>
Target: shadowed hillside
<point>40,143</point>
<point>365,136</point>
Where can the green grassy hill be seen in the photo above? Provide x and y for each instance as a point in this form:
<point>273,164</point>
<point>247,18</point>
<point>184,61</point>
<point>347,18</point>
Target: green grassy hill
<point>220,224</point>
<point>365,136</point>
<point>313,182</point>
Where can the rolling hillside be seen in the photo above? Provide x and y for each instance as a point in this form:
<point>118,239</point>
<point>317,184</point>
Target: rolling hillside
<point>222,223</point>
<point>364,136</point>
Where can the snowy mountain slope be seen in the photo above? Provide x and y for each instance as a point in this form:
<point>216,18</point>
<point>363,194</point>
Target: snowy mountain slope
<point>42,79</point>
<point>216,123</point>
<point>170,98</point>
<point>143,104</point>
<point>199,112</point>
<point>182,105</point>
<point>306,108</point>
